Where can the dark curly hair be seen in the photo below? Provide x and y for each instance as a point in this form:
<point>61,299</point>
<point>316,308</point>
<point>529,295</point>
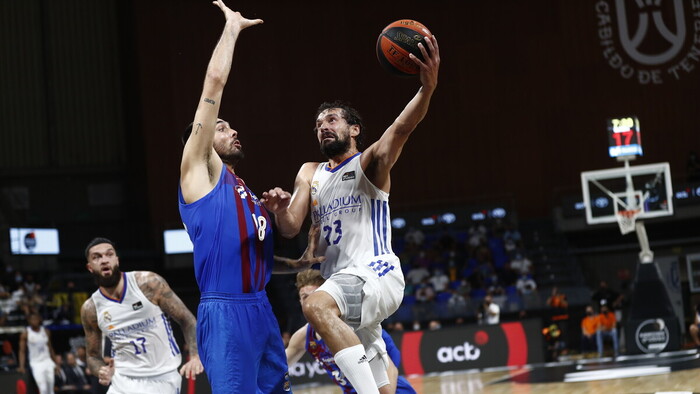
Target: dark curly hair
<point>350,115</point>
<point>97,241</point>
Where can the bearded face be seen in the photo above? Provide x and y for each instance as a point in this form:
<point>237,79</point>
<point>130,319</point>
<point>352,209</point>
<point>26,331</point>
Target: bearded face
<point>103,264</point>
<point>107,279</point>
<point>228,152</point>
<point>335,145</point>
<point>226,143</point>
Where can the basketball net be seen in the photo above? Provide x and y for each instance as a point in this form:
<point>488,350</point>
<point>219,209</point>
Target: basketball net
<point>626,219</point>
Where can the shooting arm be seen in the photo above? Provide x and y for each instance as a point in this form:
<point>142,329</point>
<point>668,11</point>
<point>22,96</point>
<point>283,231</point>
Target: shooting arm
<point>93,337</point>
<point>381,156</point>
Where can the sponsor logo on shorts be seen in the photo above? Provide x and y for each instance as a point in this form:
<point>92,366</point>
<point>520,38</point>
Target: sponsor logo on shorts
<point>348,176</point>
<point>363,359</point>
<point>287,384</point>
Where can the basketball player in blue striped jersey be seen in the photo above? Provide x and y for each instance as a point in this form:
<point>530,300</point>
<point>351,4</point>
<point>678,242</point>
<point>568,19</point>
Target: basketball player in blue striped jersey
<point>133,309</point>
<point>238,335</point>
<point>306,339</point>
<point>348,197</point>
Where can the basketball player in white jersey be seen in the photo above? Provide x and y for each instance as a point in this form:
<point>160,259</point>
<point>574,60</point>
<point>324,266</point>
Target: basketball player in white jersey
<point>348,197</point>
<point>133,309</point>
<point>36,340</point>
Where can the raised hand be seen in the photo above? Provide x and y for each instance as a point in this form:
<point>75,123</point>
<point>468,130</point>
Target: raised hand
<point>276,200</point>
<point>430,67</point>
<point>235,17</point>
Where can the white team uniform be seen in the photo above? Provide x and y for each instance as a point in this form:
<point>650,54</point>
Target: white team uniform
<point>40,359</point>
<point>355,238</point>
<point>146,355</point>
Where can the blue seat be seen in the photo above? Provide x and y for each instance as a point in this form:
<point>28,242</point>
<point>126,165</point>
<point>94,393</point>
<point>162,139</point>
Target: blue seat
<point>477,293</point>
<point>443,297</point>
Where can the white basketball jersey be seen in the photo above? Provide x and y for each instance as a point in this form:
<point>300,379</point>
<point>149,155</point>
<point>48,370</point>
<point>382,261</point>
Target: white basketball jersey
<point>142,338</point>
<point>353,214</point>
<point>38,346</point>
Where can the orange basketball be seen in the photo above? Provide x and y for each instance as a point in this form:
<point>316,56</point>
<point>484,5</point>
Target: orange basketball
<point>399,39</point>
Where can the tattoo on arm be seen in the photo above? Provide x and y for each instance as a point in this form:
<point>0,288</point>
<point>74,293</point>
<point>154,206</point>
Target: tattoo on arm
<point>199,126</point>
<point>157,290</point>
<point>210,101</point>
<point>93,337</point>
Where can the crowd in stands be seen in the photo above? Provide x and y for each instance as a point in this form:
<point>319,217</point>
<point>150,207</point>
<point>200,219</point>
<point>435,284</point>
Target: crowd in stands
<point>448,275</point>
<point>58,302</point>
<point>73,376</point>
<point>483,274</point>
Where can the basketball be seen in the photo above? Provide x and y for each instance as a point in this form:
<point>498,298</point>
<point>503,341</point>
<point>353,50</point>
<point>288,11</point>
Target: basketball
<point>396,41</point>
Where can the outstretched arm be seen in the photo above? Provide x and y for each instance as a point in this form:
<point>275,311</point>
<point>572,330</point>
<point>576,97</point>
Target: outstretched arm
<point>93,343</point>
<point>284,265</point>
<point>290,211</point>
<point>157,290</point>
<point>379,158</point>
<point>295,349</point>
<point>201,165</point>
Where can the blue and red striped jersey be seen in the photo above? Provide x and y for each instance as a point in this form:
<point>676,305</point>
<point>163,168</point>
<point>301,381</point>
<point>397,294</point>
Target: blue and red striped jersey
<point>232,236</point>
<point>319,350</point>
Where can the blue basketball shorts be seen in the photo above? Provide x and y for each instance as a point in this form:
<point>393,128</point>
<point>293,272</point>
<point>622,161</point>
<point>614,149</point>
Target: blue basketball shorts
<point>403,387</point>
<point>240,344</point>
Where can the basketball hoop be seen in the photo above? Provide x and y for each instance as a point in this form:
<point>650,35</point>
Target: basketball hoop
<point>626,219</point>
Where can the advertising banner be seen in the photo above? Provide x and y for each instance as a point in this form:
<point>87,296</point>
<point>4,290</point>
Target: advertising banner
<point>451,349</point>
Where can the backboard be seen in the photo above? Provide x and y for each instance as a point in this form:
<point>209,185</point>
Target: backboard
<point>647,187</point>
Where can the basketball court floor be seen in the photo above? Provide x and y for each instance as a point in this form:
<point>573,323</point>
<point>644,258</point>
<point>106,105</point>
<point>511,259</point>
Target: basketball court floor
<point>665,372</point>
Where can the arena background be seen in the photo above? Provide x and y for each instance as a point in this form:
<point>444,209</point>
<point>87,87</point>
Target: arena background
<point>94,97</point>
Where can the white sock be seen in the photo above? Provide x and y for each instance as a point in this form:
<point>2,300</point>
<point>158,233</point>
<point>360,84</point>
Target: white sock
<point>354,364</point>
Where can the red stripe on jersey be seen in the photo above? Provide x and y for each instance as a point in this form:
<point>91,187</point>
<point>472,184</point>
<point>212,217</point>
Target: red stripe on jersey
<point>243,236</point>
<point>259,262</point>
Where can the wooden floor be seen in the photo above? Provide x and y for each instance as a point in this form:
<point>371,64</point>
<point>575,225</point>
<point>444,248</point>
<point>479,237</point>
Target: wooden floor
<point>684,377</point>
<point>460,383</point>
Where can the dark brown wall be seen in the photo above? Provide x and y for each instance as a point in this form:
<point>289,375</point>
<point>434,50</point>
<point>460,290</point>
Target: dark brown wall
<point>520,110</point>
